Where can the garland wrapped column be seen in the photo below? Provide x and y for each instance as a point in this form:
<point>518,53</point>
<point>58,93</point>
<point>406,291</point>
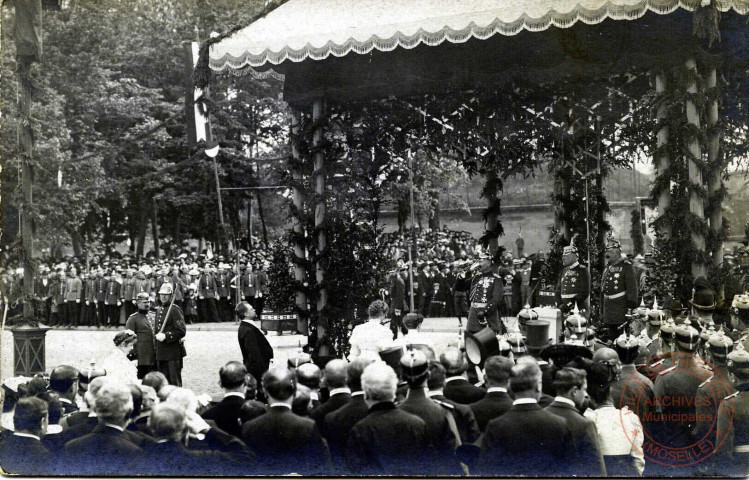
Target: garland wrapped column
<point>696,205</point>
<point>663,160</point>
<point>320,234</point>
<point>27,179</point>
<point>298,228</point>
<point>715,165</point>
<point>491,189</point>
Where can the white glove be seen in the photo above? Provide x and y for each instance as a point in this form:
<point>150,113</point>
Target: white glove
<point>195,423</point>
<point>77,300</point>
<point>201,297</point>
<point>161,336</point>
<point>119,303</point>
<point>86,302</point>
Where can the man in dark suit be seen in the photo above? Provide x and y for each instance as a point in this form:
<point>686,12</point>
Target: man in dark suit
<point>339,393</point>
<point>442,432</point>
<point>141,322</point>
<point>256,351</point>
<point>457,387</point>
<point>284,442</point>
<point>388,441</point>
<point>107,450</point>
<point>497,401</point>
<point>570,385</point>
<point>22,453</point>
<point>338,424</point>
<point>526,440</point>
<point>171,331</point>
<point>226,412</point>
<point>465,420</point>
<point>168,456</point>
<point>64,381</point>
<point>310,375</point>
<point>398,304</point>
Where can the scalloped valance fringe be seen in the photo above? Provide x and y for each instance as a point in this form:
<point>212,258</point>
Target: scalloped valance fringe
<point>609,10</point>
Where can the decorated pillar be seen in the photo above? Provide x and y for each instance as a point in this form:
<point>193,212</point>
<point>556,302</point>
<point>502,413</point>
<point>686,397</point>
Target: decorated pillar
<point>492,208</point>
<point>663,160</point>
<point>297,227</point>
<point>320,233</point>
<point>696,206</point>
<point>716,182</point>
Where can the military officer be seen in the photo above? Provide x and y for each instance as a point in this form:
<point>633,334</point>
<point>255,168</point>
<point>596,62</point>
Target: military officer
<point>572,288</point>
<point>142,323</point>
<point>486,295</point>
<point>712,391</point>
<point>732,439</point>
<point>740,319</point>
<point>170,332</point>
<point>223,294</point>
<point>618,289</point>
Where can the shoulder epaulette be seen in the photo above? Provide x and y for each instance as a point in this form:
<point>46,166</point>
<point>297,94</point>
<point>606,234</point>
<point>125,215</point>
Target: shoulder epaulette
<point>670,369</point>
<point>709,379</point>
<point>444,404</point>
<point>626,261</point>
<point>731,396</point>
<point>496,275</point>
<point>655,364</point>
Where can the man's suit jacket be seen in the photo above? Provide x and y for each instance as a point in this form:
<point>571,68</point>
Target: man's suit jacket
<point>465,420</point>
<point>463,392</point>
<point>525,441</point>
<point>334,403</point>
<point>256,351</point>
<point>146,345</point>
<point>172,458</point>
<point>286,443</point>
<point>226,414</point>
<point>68,407</point>
<point>388,441</point>
<point>105,451</point>
<point>589,460</point>
<point>490,407</point>
<point>24,456</point>
<point>338,424</point>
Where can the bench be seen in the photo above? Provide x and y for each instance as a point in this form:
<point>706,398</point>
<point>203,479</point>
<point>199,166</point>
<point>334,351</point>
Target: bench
<point>278,322</point>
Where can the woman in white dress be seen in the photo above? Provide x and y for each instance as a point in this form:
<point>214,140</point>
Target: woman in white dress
<point>372,337</point>
<point>117,364</point>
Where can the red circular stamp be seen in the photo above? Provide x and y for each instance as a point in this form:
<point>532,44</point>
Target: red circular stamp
<point>677,413</point>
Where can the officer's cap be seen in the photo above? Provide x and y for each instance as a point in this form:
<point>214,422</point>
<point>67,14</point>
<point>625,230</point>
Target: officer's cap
<point>703,295</point>
<point>166,289</point>
<point>569,249</point>
<point>687,337</point>
<point>141,297</point>
<point>414,364</point>
<point>738,361</point>
<point>720,346</point>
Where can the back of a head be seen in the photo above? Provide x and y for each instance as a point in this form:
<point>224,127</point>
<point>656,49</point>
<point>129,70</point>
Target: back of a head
<point>184,398</point>
<point>150,398</point>
<point>54,406</point>
<point>62,378</point>
<point>167,421</point>
<point>566,378</point>
<point>355,369</point>
<point>454,362</point>
<point>437,375</point>
<point>165,391</point>
<point>302,401</point>
<point>377,309</point>
<point>279,383</point>
<point>94,388</point>
<point>29,413</point>
<point>35,386</point>
<point>605,354</point>
<point>137,395</point>
<point>250,387</point>
<point>498,370</point>
<point>379,382</point>
<point>113,403</point>
<point>232,375</point>
<point>309,375</point>
<point>157,380</point>
<point>335,373</point>
<point>525,376</point>
<point>250,410</point>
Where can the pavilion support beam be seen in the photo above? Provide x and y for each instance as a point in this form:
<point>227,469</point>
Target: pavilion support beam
<point>713,152</point>
<point>321,234</point>
<point>296,224</point>
<point>663,161</point>
<point>491,204</point>
<point>696,205</point>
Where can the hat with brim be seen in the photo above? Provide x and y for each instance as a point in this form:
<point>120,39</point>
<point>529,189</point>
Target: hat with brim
<point>392,356</point>
<point>481,345</point>
<point>537,334</point>
<point>563,353</point>
<point>703,295</point>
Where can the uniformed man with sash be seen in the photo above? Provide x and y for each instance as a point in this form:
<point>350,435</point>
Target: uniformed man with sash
<point>572,288</point>
<point>485,295</point>
<point>618,289</point>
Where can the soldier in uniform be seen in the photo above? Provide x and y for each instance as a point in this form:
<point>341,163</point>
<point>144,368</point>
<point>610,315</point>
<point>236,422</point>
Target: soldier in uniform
<point>247,285</point>
<point>461,287</point>
<point>486,295</point>
<point>262,290</point>
<point>170,332</point>
<point>100,287</point>
<point>222,293</point>
<point>142,323</point>
<point>207,296</point>
<point>618,289</point>
<point>398,306</point>
<point>114,300</point>
<point>677,386</point>
<point>572,288</point>
<point>59,298</point>
<point>712,391</point>
<point>128,292</point>
<point>740,331</point>
<point>426,289</point>
<point>732,439</point>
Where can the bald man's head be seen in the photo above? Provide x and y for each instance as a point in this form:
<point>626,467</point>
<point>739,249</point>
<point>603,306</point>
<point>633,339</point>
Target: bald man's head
<point>606,355</point>
<point>309,375</point>
<point>279,383</point>
<point>335,373</point>
<point>453,361</point>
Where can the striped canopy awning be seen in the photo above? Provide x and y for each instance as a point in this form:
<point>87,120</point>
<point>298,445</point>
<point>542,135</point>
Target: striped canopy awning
<point>317,29</point>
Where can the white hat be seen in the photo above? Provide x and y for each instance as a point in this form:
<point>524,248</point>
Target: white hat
<point>146,269</point>
<point>194,271</point>
<point>166,289</point>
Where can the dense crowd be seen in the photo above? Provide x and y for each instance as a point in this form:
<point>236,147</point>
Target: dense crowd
<point>396,408</point>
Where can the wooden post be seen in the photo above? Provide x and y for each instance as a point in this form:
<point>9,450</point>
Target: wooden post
<point>491,203</point>
<point>663,160</point>
<point>299,273</point>
<point>321,239</point>
<point>696,206</point>
<point>27,152</point>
